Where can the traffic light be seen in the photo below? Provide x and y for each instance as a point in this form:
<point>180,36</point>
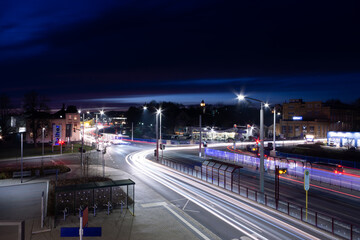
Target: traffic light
<point>204,144</point>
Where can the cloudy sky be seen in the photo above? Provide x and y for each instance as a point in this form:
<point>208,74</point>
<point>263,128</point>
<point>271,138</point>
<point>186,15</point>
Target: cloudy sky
<point>120,53</point>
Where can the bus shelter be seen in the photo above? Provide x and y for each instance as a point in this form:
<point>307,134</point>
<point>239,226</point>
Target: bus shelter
<point>222,174</point>
<point>95,195</point>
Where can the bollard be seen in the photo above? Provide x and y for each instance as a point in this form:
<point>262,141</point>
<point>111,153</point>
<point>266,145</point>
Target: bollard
<point>109,208</point>
<point>42,210</point>
<point>80,210</point>
<point>65,211</point>
<point>95,207</point>
<point>81,232</point>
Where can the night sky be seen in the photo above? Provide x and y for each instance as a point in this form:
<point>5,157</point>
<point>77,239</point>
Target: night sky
<point>119,53</point>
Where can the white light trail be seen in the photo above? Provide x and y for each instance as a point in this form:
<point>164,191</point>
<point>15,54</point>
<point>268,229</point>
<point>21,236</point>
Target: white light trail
<point>210,199</point>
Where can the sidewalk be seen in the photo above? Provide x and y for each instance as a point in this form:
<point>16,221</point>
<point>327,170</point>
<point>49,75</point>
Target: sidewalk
<point>155,217</point>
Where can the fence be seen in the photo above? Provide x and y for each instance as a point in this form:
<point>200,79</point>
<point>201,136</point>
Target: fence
<point>294,168</point>
<point>315,218</point>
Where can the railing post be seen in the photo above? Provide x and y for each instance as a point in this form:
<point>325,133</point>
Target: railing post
<point>301,213</point>
<point>315,219</point>
<point>255,196</point>
<point>288,208</point>
<point>332,225</point>
<point>265,200</point>
<point>351,231</point>
<point>247,192</point>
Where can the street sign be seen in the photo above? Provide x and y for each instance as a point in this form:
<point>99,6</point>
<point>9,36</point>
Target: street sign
<point>306,180</point>
<point>22,129</point>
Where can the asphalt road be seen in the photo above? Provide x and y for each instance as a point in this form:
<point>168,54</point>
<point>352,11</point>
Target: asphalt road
<point>335,204</point>
<point>223,212</point>
<point>196,201</point>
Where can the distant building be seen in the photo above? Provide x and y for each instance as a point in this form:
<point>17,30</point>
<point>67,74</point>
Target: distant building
<point>316,118</point>
<point>63,125</point>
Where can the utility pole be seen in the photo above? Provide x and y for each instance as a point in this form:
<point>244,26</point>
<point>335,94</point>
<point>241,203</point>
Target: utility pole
<point>202,110</point>
<point>22,146</point>
<point>262,148</point>
<point>82,142</point>
<point>274,131</point>
<point>157,138</point>
<point>132,131</point>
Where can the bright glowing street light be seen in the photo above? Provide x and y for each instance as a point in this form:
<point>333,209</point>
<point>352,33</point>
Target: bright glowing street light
<point>102,112</point>
<point>144,107</point>
<point>240,97</point>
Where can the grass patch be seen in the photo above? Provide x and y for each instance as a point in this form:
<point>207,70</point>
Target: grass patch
<point>321,151</point>
<point>14,151</point>
<point>8,171</point>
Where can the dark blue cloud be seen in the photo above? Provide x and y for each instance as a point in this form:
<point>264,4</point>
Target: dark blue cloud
<point>133,49</point>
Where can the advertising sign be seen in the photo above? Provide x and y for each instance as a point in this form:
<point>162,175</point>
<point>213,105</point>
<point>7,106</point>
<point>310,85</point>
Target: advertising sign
<point>56,134</point>
<point>297,118</point>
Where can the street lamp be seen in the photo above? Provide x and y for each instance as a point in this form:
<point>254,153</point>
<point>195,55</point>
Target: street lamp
<point>274,131</point>
<point>158,112</point>
<point>262,104</point>
<point>202,106</point>
<point>97,130</point>
<point>82,139</point>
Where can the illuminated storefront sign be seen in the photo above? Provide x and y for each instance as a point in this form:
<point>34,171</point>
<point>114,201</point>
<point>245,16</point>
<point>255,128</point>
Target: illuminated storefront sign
<point>297,118</point>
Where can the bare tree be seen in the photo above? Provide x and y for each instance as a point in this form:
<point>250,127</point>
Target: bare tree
<point>37,112</point>
<point>5,112</point>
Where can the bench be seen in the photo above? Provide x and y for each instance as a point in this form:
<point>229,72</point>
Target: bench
<point>50,171</point>
<point>18,174</point>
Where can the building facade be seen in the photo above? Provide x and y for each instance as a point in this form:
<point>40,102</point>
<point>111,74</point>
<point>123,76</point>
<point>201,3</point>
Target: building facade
<point>315,118</point>
<point>63,125</point>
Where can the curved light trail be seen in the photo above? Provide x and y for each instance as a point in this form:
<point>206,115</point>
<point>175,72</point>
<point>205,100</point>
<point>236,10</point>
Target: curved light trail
<point>229,207</point>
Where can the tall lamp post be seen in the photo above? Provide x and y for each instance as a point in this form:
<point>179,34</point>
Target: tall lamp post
<point>158,112</point>
<point>202,106</point>
<point>82,139</point>
<point>262,104</point>
<point>274,131</point>
<point>97,129</point>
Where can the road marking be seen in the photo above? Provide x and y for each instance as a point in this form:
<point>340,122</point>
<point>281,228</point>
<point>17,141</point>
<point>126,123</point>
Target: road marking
<point>155,204</point>
<point>185,204</point>
<point>187,223</point>
<point>195,211</point>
